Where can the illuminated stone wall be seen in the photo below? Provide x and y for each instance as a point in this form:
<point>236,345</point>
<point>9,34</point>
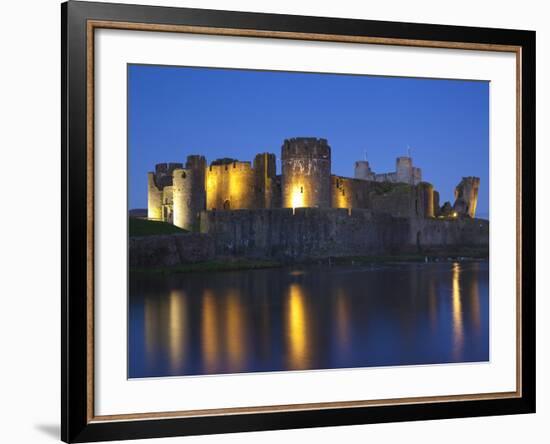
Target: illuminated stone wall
<point>306,164</point>
<point>230,186</point>
<point>466,193</point>
<point>189,189</point>
<point>349,193</point>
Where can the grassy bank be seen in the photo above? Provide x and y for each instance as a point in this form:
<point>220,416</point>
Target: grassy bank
<point>233,264</point>
<point>430,256</point>
<point>215,265</point>
<point>144,227</point>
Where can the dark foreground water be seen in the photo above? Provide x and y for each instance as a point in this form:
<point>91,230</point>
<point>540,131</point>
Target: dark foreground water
<point>308,318</point>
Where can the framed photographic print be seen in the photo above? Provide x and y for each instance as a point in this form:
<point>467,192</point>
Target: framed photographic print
<point>276,221</point>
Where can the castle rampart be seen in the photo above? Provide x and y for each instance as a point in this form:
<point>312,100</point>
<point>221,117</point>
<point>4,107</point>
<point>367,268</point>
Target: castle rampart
<point>321,232</point>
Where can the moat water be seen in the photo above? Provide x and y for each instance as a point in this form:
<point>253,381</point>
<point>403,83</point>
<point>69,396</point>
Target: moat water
<point>308,318</point>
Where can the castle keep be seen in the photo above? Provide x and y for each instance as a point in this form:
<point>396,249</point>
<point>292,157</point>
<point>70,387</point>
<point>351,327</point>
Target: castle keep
<point>179,194</point>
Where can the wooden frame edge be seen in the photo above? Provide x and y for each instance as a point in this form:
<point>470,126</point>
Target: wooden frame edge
<point>105,24</point>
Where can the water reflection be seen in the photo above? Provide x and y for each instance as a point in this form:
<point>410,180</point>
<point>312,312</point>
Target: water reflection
<point>178,325</point>
<point>235,332</point>
<point>458,333</point>
<point>343,321</point>
<point>297,328</point>
<point>209,332</point>
<point>308,318</point>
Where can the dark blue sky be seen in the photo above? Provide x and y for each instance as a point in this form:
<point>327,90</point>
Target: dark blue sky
<point>176,111</point>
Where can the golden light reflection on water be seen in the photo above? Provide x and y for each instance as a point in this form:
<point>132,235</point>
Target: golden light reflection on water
<point>209,332</point>
<point>475,306</point>
<point>297,328</point>
<point>235,331</point>
<point>458,327</point>
<point>343,312</point>
<point>150,309</point>
<point>177,328</point>
<point>432,301</point>
<point>304,322</point>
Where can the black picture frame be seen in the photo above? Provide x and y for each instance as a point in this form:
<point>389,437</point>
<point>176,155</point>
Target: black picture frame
<point>76,424</point>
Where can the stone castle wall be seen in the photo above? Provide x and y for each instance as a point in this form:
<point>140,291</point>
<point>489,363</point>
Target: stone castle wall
<point>169,250</point>
<point>316,232</point>
<point>442,233</point>
<point>402,200</point>
<point>350,193</point>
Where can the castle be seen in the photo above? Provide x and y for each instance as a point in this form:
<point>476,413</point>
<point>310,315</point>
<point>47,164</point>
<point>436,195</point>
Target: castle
<point>178,193</point>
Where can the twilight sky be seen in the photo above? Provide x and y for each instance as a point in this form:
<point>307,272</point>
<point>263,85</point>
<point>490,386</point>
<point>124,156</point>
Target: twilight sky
<point>176,111</point>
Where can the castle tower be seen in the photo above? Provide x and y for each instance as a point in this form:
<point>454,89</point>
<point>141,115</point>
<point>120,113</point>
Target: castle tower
<point>466,193</point>
<point>305,173</point>
<point>154,198</point>
<point>363,170</point>
<point>264,178</point>
<point>425,200</point>
<point>403,168</point>
<point>189,192</point>
<point>156,182</point>
<point>230,185</point>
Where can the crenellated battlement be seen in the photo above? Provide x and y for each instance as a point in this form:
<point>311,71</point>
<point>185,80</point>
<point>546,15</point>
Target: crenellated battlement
<point>232,164</point>
<point>163,173</point>
<point>305,147</point>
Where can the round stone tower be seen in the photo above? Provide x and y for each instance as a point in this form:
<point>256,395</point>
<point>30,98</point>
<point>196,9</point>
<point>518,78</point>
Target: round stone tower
<point>189,192</point>
<point>425,200</point>
<point>305,173</point>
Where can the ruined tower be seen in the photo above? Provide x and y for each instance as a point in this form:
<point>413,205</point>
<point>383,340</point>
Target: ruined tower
<point>305,173</point>
<point>189,192</point>
<point>264,180</point>
<point>159,192</point>
<point>406,172</point>
<point>466,197</point>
